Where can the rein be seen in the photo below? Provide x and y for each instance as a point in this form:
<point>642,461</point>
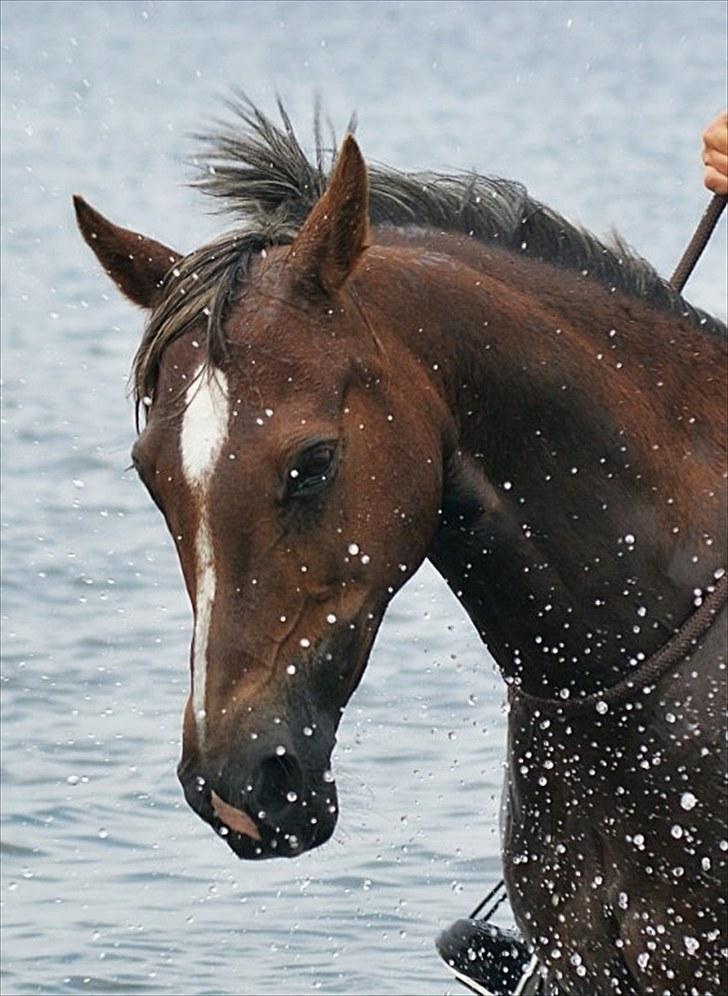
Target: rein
<point>699,241</point>
<point>676,649</point>
<point>695,626</point>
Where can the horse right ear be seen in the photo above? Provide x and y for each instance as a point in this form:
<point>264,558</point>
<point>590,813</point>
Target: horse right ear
<point>336,232</point>
<point>135,263</point>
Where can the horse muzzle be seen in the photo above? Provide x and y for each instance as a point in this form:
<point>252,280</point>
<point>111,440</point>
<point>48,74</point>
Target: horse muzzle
<point>276,804</point>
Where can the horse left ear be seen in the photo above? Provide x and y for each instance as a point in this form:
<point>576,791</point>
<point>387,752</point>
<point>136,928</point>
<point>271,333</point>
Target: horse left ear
<point>135,263</point>
<point>335,233</point>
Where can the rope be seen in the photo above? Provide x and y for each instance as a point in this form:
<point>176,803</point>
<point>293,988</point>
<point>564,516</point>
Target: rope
<point>675,650</point>
<point>500,887</point>
<point>695,246</point>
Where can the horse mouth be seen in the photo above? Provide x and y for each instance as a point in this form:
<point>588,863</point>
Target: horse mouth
<point>257,840</point>
<point>234,819</point>
<point>245,838</point>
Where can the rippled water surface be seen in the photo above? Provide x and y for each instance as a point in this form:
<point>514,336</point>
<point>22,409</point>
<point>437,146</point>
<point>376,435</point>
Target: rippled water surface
<point>110,884</point>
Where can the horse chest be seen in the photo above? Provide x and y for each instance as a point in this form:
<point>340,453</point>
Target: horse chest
<point>596,857</point>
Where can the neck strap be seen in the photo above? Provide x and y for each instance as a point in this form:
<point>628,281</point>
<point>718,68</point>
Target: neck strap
<point>673,652</point>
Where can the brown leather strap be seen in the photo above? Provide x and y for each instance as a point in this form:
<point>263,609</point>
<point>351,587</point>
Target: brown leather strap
<point>675,650</point>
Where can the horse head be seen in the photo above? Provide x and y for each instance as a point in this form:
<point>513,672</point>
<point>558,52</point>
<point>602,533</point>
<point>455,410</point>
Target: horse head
<point>300,485</point>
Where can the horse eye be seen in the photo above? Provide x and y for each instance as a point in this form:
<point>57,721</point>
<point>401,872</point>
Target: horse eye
<point>312,470</point>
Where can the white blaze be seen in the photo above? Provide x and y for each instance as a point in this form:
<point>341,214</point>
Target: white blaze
<point>204,431</point>
<point>205,425</point>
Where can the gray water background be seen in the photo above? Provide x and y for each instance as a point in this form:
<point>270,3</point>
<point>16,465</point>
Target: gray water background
<point>109,883</point>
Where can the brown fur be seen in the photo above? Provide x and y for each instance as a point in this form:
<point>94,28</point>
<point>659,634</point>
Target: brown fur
<point>517,423</point>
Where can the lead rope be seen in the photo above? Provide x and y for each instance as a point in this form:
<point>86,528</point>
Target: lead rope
<point>680,276</point>
<point>699,241</point>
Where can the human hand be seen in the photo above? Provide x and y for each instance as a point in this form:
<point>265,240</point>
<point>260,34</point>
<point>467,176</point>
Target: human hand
<point>715,154</point>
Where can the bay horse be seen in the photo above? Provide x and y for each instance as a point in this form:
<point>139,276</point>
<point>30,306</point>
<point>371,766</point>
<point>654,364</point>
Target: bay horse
<point>375,368</point>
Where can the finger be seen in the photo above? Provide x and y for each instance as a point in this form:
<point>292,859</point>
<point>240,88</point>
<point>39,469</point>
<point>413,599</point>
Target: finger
<point>715,181</point>
<point>716,134</point>
<point>718,160</point>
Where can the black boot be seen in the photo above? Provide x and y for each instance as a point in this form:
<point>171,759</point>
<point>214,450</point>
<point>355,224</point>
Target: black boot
<point>489,960</point>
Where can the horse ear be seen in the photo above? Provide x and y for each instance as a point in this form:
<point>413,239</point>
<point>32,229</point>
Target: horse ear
<point>136,264</point>
<point>335,233</point>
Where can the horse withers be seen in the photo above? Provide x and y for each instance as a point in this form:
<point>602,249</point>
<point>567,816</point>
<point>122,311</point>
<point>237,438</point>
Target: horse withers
<point>376,368</point>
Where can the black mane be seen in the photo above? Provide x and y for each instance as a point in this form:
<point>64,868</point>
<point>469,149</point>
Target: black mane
<point>258,171</point>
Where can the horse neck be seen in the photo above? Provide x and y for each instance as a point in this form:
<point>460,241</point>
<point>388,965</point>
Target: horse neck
<point>583,496</point>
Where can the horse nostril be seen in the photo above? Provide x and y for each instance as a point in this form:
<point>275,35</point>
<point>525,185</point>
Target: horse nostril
<point>277,784</point>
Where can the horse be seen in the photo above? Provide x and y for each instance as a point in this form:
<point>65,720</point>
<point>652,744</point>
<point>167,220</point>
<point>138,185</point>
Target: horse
<point>374,368</point>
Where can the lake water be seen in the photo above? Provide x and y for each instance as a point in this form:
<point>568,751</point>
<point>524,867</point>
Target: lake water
<point>109,883</point>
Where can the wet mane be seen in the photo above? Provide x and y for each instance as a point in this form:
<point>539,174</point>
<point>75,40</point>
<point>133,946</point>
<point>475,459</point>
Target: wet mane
<point>257,171</point>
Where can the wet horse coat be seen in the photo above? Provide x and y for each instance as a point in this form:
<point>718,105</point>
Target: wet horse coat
<point>381,368</point>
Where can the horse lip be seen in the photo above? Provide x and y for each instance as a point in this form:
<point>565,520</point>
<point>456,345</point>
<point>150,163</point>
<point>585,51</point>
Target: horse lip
<point>233,818</point>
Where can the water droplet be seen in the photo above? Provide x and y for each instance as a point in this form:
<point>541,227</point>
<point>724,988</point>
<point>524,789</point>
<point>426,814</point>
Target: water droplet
<point>291,669</point>
<point>280,750</point>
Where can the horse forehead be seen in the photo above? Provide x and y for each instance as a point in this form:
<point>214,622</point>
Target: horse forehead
<point>220,414</point>
<point>271,390</point>
<point>258,388</point>
<point>205,424</point>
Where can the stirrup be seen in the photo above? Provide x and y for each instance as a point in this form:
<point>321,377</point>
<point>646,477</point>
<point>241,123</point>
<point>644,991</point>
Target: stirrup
<point>490,961</point>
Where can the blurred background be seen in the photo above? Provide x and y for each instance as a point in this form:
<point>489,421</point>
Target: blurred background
<point>110,883</point>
